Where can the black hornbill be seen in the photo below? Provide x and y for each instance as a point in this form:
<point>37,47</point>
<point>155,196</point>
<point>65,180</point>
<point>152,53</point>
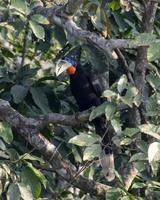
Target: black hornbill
<point>87,91</point>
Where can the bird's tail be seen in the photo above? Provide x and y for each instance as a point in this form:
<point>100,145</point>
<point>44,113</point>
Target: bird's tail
<point>107,163</point>
<point>106,156</point>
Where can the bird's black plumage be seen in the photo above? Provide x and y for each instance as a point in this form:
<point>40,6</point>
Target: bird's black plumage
<point>83,90</point>
<point>87,90</point>
<point>88,94</point>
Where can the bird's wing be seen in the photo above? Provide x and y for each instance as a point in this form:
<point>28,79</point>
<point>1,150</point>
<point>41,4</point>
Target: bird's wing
<point>97,82</point>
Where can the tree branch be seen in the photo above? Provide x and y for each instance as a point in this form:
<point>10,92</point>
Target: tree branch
<point>69,120</point>
<point>62,16</point>
<point>142,62</point>
<point>55,16</point>
<point>130,177</point>
<point>140,74</point>
<point>24,47</point>
<point>125,65</point>
<point>28,129</point>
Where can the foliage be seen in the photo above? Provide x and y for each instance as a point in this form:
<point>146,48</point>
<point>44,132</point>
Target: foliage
<point>29,51</point>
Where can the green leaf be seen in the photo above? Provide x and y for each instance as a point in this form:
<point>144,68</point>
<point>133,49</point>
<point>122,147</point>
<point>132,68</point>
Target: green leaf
<point>155,184</point>
<point>132,91</point>
<point>117,126</point>
<point>25,191</point>
<point>130,132</point>
<point>7,53</point>
<point>154,156</point>
<point>110,110</point>
<point>126,141</point>
<point>143,146</point>
<point>141,165</point>
<point>101,21</point>
<point>28,178</point>
<point>13,192</point>
<point>59,35</point>
<point>98,111</point>
<point>26,72</point>
<point>53,100</point>
<point>6,168</point>
<point>130,96</point>
<point>138,185</point>
<point>38,174</point>
<point>13,154</point>
<point>117,140</point>
<point>76,154</point>
<point>143,39</point>
<point>3,155</point>
<point>114,193</point>
<point>153,52</point>
<point>40,99</point>
<point>83,139</point>
<point>92,151</point>
<point>154,81</point>
<point>150,129</point>
<point>20,5</point>
<point>2,145</point>
<point>154,152</point>
<point>138,156</point>
<point>122,83</point>
<point>18,92</point>
<point>114,5</point>
<point>96,19</point>
<point>6,132</point>
<point>152,106</point>
<point>40,19</point>
<point>119,19</point>
<point>37,29</point>
<point>32,158</point>
<point>109,94</point>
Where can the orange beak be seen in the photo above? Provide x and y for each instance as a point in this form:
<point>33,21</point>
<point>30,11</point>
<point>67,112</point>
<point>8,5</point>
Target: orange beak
<point>71,70</point>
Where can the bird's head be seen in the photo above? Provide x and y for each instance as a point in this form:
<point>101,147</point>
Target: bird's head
<point>68,64</point>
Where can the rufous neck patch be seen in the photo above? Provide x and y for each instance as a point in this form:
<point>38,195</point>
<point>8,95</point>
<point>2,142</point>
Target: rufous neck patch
<point>71,70</point>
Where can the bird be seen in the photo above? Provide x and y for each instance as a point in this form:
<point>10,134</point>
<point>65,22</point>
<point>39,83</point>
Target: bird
<point>87,91</point>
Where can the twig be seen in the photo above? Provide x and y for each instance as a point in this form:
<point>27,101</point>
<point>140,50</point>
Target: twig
<point>24,48</point>
<point>125,65</point>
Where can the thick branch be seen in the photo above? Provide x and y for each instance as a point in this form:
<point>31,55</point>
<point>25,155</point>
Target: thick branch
<point>142,62</point>
<point>69,120</point>
<point>106,45</point>
<point>28,129</point>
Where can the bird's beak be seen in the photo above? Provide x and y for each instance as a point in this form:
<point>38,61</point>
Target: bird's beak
<point>61,66</point>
